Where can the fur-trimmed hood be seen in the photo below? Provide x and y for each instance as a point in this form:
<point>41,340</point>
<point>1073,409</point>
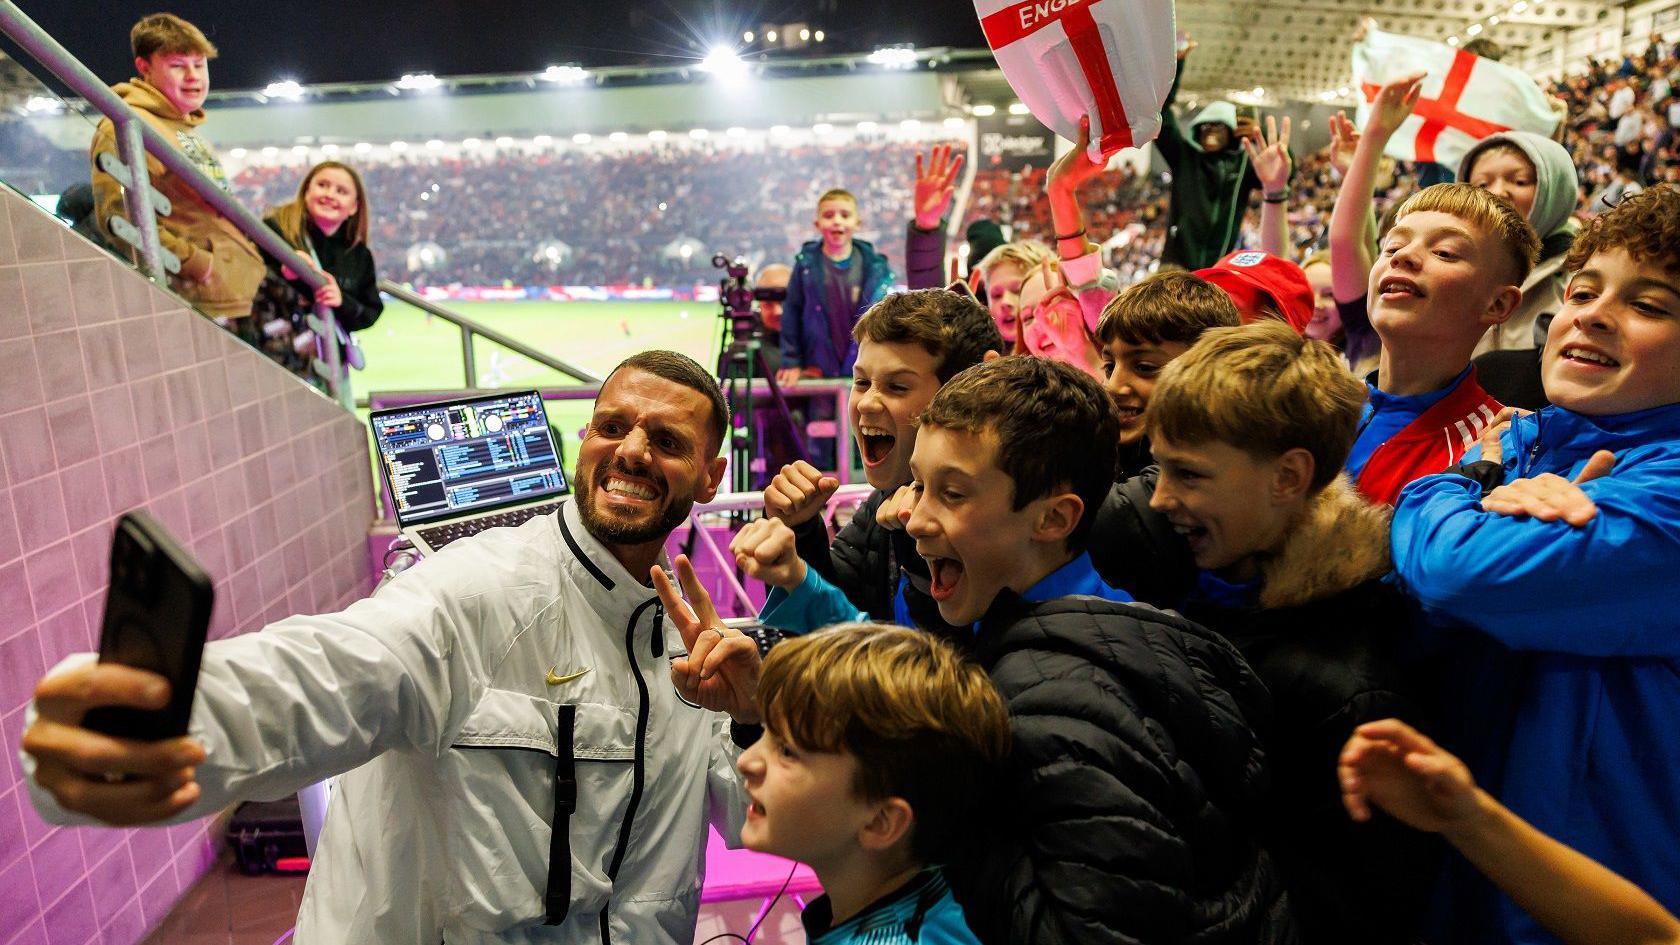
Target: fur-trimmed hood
<point>1341,543</point>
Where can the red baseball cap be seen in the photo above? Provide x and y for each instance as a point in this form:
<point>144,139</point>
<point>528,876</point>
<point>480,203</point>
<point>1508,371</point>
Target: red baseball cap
<point>1256,281</point>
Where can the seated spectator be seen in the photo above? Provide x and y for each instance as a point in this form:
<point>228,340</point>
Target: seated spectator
<point>1251,427</point>
<point>1557,559</point>
<point>220,267</point>
<point>1392,766</point>
<point>1142,330</point>
<point>909,345</point>
<point>1131,802</point>
<point>328,224</point>
<point>877,742</point>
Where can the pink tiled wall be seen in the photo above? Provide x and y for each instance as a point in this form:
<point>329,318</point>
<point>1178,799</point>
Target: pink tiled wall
<point>113,395</point>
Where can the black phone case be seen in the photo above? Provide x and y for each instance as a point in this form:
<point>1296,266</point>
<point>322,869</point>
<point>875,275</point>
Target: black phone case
<point>157,613</point>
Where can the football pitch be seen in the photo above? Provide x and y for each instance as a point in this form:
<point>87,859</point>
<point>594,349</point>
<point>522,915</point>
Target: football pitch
<point>408,349</point>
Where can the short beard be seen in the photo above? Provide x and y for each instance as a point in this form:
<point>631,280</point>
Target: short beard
<point>609,531</point>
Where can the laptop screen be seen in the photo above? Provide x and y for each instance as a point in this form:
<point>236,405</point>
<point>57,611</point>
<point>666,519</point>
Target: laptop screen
<point>459,457</point>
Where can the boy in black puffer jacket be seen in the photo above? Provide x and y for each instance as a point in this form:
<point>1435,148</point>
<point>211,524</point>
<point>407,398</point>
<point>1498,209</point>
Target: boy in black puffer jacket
<point>1251,427</point>
<point>1134,794</point>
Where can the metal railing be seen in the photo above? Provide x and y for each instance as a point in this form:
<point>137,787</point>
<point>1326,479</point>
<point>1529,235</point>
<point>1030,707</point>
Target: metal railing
<point>470,328</point>
<point>135,139</point>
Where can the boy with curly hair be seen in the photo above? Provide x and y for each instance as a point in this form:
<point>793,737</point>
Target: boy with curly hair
<point>1555,546</point>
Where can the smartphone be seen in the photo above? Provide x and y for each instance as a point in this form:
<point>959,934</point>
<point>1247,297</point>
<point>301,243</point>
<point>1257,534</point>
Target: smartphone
<point>157,613</point>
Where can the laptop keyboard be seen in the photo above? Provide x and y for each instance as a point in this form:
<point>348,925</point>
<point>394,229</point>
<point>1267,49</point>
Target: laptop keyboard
<point>439,535</point>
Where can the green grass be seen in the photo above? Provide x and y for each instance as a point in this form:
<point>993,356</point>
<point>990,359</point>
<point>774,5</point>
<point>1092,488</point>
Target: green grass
<point>409,350</point>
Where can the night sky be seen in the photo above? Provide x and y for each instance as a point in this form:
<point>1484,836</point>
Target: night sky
<point>317,41</point>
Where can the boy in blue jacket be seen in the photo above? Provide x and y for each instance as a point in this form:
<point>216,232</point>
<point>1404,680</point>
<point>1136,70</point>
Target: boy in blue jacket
<point>1558,546</point>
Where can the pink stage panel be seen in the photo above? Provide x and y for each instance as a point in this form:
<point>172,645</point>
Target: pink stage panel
<point>743,874</point>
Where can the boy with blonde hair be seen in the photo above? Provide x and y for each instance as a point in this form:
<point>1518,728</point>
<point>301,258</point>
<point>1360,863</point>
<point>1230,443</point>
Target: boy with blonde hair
<point>877,743</point>
<point>1251,427</point>
<point>835,280</point>
<point>220,267</point>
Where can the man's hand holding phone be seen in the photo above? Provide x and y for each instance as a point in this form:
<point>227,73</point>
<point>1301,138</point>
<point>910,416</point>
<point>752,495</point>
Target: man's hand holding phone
<point>117,780</point>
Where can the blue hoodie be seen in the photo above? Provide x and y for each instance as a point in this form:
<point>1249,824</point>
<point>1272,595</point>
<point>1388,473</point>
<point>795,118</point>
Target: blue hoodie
<point>807,339</point>
<point>1573,720</point>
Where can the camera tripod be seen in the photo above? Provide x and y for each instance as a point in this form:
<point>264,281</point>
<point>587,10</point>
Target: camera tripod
<point>741,361</point>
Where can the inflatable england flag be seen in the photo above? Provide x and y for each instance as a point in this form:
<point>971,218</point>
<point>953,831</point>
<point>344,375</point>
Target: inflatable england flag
<point>1110,59</point>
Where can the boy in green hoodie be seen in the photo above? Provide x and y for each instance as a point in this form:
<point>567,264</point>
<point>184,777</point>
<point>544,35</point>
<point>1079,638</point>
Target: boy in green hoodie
<point>220,268</point>
<point>1211,180</point>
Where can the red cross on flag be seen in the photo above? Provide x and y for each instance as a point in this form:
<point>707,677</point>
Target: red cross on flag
<point>1464,98</point>
<point>1110,59</point>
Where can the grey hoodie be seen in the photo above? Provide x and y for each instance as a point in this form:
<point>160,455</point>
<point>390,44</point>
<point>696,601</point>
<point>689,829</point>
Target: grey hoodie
<point>1554,203</point>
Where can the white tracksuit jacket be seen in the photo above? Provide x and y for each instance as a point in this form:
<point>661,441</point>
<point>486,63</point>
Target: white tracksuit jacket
<point>430,701</point>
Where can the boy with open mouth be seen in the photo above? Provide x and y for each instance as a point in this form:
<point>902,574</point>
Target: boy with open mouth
<point>1556,546</point>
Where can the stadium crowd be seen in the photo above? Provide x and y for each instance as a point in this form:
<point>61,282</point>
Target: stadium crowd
<point>1237,600</point>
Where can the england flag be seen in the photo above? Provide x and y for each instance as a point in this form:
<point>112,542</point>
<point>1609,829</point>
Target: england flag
<point>1464,98</point>
<point>1110,59</point>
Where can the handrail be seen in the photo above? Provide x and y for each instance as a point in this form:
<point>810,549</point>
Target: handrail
<point>60,62</point>
<point>469,328</point>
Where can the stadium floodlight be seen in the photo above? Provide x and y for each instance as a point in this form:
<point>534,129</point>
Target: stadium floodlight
<point>436,144</point>
<point>821,128</point>
<point>582,137</point>
<point>819,36</point>
<point>285,88</point>
<point>43,103</point>
<point>1018,108</point>
<point>300,149</point>
<point>866,127</point>
<point>1519,6</point>
<point>910,124</point>
<point>894,57</point>
<point>779,130</point>
<point>542,141</point>
<point>363,147</point>
<point>1493,20</point>
<point>723,63</point>
<point>984,111</point>
<point>954,124</point>
<point>1452,40</point>
<point>419,81</point>
<point>698,134</point>
<point>504,142</point>
<point>329,149</point>
<point>770,36</point>
<point>399,146</point>
<point>470,142</point>
<point>565,75</point>
<point>747,37</point>
<point>270,151</point>
<point>619,136</point>
<point>735,131</point>
<point>1473,29</point>
<point>656,135</point>
<point>804,35</point>
<point>236,152</point>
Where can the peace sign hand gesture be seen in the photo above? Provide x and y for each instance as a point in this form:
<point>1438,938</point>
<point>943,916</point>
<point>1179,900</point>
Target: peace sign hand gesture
<point>720,671</point>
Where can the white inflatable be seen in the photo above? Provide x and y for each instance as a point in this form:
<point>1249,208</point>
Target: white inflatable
<point>1110,59</point>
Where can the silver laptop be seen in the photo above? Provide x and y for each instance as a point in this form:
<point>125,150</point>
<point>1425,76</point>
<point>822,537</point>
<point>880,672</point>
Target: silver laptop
<point>457,467</point>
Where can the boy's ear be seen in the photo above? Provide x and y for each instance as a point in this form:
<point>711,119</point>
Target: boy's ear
<point>1503,306</point>
<point>888,826</point>
<point>1058,515</point>
<point>990,356</point>
<point>1293,475</point>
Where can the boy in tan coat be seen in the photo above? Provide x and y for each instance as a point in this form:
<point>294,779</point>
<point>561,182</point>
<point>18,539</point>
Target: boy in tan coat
<point>220,268</point>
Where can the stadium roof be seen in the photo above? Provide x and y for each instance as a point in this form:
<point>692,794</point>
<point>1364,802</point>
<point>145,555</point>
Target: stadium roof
<point>1265,50</point>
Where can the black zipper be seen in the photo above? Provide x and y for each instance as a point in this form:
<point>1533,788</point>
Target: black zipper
<point>639,763</point>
